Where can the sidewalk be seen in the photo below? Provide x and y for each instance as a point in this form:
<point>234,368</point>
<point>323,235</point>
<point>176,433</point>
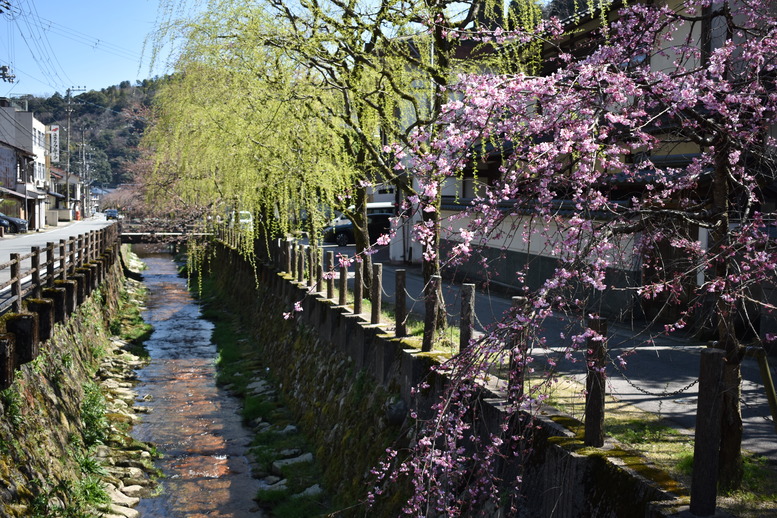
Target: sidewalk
<point>659,378</point>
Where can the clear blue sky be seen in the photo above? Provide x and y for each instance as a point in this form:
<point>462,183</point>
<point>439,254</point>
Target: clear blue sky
<point>52,45</point>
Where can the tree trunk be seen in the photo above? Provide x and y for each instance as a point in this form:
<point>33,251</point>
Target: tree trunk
<point>730,467</point>
<point>362,237</point>
<point>432,267</point>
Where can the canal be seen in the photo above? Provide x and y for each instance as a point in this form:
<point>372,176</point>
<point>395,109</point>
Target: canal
<point>195,425</point>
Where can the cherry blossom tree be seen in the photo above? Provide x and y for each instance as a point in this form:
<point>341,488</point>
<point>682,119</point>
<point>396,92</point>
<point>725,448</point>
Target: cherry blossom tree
<point>653,153</point>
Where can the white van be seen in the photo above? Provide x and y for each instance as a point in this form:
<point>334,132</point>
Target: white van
<point>376,207</point>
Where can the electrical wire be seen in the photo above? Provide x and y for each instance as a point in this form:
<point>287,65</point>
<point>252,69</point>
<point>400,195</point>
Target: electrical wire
<point>19,127</point>
<point>93,42</point>
<point>45,43</point>
<point>34,31</point>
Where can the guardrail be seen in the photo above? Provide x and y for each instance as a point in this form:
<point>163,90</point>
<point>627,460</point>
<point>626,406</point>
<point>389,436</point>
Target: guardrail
<point>53,281</point>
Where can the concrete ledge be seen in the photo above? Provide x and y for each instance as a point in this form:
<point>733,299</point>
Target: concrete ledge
<point>58,297</point>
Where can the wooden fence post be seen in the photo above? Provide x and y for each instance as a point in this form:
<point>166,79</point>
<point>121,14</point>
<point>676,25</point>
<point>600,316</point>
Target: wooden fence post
<point>594,384</point>
<point>768,382</point>
<point>300,264</point>
<point>706,449</point>
<point>16,286</point>
<point>58,296</point>
<point>44,308</point>
<point>35,264</point>
<point>62,260</point>
<point>517,375</point>
<point>24,327</point>
<point>80,250</point>
<point>311,267</point>
<point>330,278</point>
<point>72,256</point>
<point>319,272</point>
<point>377,292</point>
<point>49,264</point>
<point>343,299</point>
<point>358,293</point>
<point>289,258</point>
<point>430,299</point>
<point>467,322</point>
<point>401,303</point>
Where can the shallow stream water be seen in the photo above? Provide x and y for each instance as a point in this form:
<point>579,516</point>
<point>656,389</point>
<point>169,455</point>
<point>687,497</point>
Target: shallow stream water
<point>193,423</point>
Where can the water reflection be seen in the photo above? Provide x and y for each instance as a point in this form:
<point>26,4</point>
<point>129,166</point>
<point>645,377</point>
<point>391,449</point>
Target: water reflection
<point>193,423</point>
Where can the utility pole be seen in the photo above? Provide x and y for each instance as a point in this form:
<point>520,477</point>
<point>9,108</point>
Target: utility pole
<point>5,74</point>
<point>67,167</point>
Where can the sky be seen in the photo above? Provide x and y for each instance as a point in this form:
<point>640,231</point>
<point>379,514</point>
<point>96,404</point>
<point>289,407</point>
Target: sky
<point>53,45</point>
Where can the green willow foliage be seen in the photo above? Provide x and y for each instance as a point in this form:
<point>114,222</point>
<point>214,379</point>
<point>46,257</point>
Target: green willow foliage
<point>237,128</point>
<point>282,107</point>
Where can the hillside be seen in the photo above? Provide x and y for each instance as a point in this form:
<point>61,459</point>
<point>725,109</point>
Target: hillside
<point>106,127</point>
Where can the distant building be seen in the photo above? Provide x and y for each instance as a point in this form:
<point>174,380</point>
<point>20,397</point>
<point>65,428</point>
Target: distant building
<point>24,163</point>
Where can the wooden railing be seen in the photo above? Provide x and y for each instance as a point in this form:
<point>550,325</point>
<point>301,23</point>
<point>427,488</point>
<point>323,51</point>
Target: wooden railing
<point>44,286</point>
<point>319,272</point>
<point>56,261</point>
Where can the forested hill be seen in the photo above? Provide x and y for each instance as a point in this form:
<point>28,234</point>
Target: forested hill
<point>106,127</point>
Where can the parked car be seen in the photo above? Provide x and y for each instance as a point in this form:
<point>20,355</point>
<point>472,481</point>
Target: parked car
<point>12,224</point>
<point>111,214</point>
<point>341,233</point>
<point>242,219</point>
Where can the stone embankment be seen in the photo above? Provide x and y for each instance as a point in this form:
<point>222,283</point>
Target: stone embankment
<point>64,445</point>
<point>129,472</point>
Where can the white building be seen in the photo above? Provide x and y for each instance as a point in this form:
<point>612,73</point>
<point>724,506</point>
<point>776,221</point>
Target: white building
<point>20,129</point>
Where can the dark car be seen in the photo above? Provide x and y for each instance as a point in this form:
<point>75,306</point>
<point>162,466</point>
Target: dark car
<point>342,233</point>
<point>111,214</point>
<point>12,224</point>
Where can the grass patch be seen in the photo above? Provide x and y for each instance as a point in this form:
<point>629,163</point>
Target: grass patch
<point>258,407</point>
<point>300,507</point>
<point>93,415</point>
<point>129,324</point>
<point>671,449</point>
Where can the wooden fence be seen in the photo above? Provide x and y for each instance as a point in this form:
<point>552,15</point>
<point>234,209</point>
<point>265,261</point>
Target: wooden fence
<point>44,287</point>
<point>306,270</point>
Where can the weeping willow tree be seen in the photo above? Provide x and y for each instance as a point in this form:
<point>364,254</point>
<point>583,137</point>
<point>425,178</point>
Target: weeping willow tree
<point>390,62</point>
<point>347,77</point>
<point>236,129</point>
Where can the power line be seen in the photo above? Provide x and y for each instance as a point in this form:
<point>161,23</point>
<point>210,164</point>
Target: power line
<point>49,26</point>
<point>45,41</point>
<point>35,30</point>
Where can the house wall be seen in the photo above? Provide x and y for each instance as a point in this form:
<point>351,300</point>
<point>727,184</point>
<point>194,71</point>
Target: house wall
<point>522,244</point>
<point>7,167</point>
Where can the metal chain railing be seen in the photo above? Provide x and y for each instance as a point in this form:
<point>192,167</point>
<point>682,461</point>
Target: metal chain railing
<point>647,392</point>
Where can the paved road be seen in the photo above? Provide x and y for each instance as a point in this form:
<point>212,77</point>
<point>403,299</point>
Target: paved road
<point>653,373</point>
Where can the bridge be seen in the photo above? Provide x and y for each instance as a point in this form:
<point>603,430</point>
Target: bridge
<point>156,231</point>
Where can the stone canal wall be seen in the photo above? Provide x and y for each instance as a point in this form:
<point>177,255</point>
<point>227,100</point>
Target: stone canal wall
<point>53,407</point>
<point>351,385</point>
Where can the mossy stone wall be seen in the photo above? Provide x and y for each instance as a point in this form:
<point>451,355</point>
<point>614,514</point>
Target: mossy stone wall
<point>335,376</point>
<point>41,427</point>
<point>339,407</point>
